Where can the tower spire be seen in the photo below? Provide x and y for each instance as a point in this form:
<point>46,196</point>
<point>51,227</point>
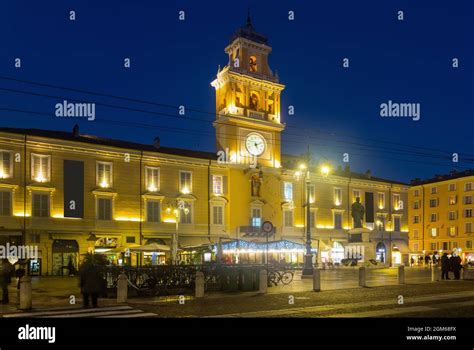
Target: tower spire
<point>249,20</point>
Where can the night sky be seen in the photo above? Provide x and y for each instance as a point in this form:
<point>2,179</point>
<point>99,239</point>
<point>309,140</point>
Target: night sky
<point>173,63</point>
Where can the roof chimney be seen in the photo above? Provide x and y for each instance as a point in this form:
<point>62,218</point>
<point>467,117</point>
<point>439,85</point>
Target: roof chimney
<point>75,131</point>
<point>156,142</point>
<point>368,173</point>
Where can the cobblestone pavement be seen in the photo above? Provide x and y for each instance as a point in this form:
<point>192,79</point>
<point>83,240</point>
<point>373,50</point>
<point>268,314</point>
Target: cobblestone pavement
<point>341,297</point>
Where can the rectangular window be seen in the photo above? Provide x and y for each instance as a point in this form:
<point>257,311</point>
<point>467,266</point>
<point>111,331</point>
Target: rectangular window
<point>452,199</point>
<point>380,223</point>
<point>452,231</point>
<point>434,232</point>
<point>416,234</point>
<point>41,205</point>
<point>287,191</point>
<point>468,213</point>
<point>153,211</point>
<point>337,196</point>
<point>381,200</point>
<point>434,190</point>
<point>397,223</point>
<point>468,227</point>
<point>288,218</point>
<point>433,203</point>
<point>415,247</point>
<point>434,246</point>
<point>434,217</point>
<point>396,202</point>
<point>416,193</point>
<point>467,199</point>
<point>218,215</point>
<point>452,215</point>
<point>185,182</point>
<point>469,244</point>
<point>152,179</point>
<point>468,186</point>
<point>5,203</point>
<point>104,208</point>
<point>452,187</point>
<point>416,219</point>
<point>454,245</point>
<point>186,213</point>
<point>217,184</point>
<point>6,164</point>
<point>40,168</point>
<point>130,239</point>
<point>104,174</point>
<point>445,245</point>
<point>256,217</point>
<point>338,221</point>
<point>416,205</point>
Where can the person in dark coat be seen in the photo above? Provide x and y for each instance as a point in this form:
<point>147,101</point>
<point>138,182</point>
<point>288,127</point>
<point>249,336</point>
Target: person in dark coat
<point>6,271</point>
<point>445,266</point>
<point>91,283</point>
<point>456,266</point>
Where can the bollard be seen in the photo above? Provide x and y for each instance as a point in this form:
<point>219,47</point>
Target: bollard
<point>122,288</point>
<point>199,293</point>
<point>25,293</point>
<point>316,280</point>
<point>434,273</point>
<point>263,282</point>
<point>401,274</point>
<point>362,276</point>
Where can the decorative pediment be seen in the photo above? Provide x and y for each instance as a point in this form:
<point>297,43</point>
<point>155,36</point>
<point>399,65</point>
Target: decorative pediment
<point>187,197</point>
<point>219,199</point>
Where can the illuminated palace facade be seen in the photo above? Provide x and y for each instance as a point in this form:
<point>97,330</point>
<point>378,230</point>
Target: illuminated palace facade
<point>70,193</point>
<point>442,215</point>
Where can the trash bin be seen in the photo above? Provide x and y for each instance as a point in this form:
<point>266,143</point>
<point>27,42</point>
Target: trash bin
<point>230,279</point>
<point>248,279</point>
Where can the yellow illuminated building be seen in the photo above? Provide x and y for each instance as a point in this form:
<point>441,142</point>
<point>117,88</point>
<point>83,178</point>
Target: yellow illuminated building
<point>441,215</point>
<point>70,193</point>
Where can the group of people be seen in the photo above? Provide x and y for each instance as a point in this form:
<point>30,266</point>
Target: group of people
<point>451,263</point>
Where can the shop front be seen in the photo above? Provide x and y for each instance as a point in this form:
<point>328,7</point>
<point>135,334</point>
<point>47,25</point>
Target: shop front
<point>196,251</point>
<point>65,254</point>
<point>281,252</point>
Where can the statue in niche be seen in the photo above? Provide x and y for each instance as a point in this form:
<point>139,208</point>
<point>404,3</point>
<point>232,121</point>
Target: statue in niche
<point>357,212</point>
<point>256,182</point>
<point>253,102</point>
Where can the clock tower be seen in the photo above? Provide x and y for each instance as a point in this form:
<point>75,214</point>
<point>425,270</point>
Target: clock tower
<point>248,121</point>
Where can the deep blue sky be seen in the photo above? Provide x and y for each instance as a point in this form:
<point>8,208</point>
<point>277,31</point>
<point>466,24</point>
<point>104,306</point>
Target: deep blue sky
<point>173,63</point>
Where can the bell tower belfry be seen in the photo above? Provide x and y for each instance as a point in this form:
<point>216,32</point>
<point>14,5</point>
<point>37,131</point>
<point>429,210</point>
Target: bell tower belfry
<point>248,116</point>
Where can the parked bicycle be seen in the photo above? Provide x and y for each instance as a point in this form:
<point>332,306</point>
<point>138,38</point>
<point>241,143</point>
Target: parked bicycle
<point>280,276</point>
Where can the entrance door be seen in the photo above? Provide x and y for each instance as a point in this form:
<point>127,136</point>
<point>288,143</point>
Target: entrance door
<point>64,252</point>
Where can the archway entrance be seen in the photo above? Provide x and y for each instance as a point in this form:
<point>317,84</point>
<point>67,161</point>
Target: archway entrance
<point>381,252</point>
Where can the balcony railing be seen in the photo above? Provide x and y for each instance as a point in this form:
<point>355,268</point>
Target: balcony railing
<point>255,114</point>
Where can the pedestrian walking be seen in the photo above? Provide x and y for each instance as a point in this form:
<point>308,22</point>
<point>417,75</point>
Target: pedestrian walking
<point>92,282</point>
<point>445,267</point>
<point>5,279</point>
<point>456,266</point>
<point>427,260</point>
<point>70,267</point>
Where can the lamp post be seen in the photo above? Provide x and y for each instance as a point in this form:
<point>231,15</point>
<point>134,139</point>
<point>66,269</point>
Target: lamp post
<point>308,257</point>
<point>176,208</point>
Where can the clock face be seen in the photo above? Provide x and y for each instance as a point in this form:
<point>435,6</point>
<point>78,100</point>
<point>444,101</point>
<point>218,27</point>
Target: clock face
<point>255,144</point>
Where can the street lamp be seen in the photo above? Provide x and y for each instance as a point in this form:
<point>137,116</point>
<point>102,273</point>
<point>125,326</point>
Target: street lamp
<point>308,258</point>
<point>176,208</point>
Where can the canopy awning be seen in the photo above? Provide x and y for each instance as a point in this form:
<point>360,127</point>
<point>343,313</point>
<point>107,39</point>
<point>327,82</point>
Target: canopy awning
<point>273,246</point>
<point>193,242</point>
<point>401,245</point>
<point>152,247</point>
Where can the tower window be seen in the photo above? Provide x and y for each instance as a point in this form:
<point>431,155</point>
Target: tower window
<point>253,63</point>
<point>253,101</point>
